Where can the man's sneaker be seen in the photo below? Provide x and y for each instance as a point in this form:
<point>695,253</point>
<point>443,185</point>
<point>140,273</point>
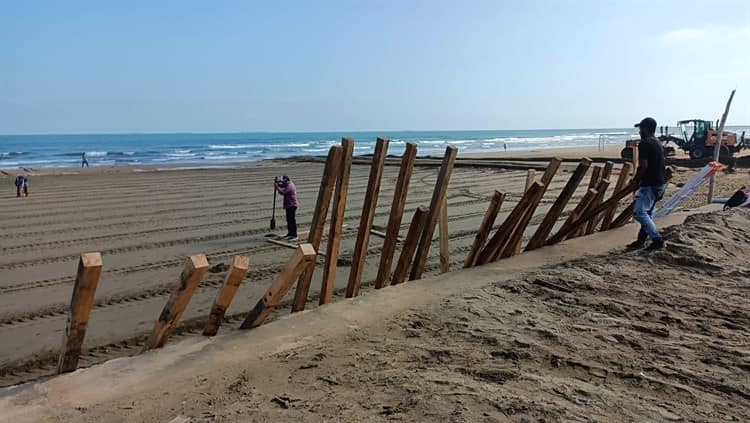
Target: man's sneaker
<point>637,244</point>
<point>656,244</point>
<point>291,238</point>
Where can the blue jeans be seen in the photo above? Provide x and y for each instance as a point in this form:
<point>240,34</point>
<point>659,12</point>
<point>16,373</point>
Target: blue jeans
<point>643,210</point>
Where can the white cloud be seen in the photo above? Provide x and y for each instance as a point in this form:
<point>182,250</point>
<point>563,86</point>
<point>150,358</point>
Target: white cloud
<point>684,35</point>
<point>734,34</point>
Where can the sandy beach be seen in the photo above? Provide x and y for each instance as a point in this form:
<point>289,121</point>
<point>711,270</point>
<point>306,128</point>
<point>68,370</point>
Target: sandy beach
<point>145,221</point>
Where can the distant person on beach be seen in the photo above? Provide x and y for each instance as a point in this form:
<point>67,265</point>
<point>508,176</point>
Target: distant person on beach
<point>651,180</point>
<point>22,184</point>
<point>84,161</point>
<point>286,187</point>
<point>505,146</point>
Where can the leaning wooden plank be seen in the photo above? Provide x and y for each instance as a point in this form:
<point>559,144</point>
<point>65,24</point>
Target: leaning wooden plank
<point>303,256</point>
<point>443,234</point>
<point>629,189</point>
<point>549,173</point>
<point>410,245</point>
<point>195,267</point>
<point>543,230</point>
<point>438,198</point>
<point>397,211</point>
<point>530,176</point>
<point>601,190</point>
<point>337,220</point>
<point>624,217</point>
<point>327,182</point>
<point>497,242</point>
<point>365,221</point>
<point>579,210</point>
<point>226,293</point>
<point>622,180</point>
<point>596,177</point>
<point>515,239</point>
<point>484,228</point>
<point>81,302</point>
<point>607,172</point>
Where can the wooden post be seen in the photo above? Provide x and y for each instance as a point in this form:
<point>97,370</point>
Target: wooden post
<point>368,214</point>
<point>596,177</point>
<point>574,215</point>
<point>397,211</point>
<point>443,234</point>
<point>410,245</point>
<point>496,244</point>
<point>717,146</point>
<point>601,190</point>
<point>195,267</point>
<point>622,180</point>
<point>226,293</point>
<point>438,197</point>
<point>81,302</point>
<point>578,222</point>
<point>513,246</point>
<point>303,255</point>
<point>337,220</point>
<point>607,172</point>
<point>624,217</point>
<point>327,182</point>
<point>484,228</point>
<point>544,229</point>
<point>549,173</point>
<point>530,175</point>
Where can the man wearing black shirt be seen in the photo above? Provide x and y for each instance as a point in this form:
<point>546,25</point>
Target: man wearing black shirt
<point>652,181</point>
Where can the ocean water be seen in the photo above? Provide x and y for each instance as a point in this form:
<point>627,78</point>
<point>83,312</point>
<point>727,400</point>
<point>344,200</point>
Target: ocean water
<point>39,151</point>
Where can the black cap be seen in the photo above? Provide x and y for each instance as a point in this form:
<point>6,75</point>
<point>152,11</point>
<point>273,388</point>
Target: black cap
<point>648,123</point>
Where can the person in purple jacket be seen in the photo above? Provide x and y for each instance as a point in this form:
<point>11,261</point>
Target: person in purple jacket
<point>286,187</point>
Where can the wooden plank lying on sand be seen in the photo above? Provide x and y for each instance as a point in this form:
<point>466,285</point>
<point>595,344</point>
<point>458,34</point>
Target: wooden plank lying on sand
<point>484,228</point>
<point>303,255</point>
<point>337,220</point>
<point>192,273</point>
<point>226,293</point>
<point>438,198</point>
<point>410,244</point>
<point>317,227</point>
<point>81,302</point>
<point>396,215</point>
<point>365,221</point>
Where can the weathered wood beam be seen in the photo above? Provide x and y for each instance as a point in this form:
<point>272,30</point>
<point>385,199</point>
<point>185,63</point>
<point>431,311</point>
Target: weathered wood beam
<point>438,198</point>
<point>396,215</point>
<point>226,293</point>
<point>545,228</point>
<point>327,182</point>
<point>484,228</point>
<point>337,220</point>
<point>409,246</point>
<point>81,302</point>
<point>303,255</point>
<point>191,276</point>
<point>368,214</point>
<point>622,180</point>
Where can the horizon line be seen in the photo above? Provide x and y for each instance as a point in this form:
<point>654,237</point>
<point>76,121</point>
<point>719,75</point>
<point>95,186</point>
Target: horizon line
<point>307,132</point>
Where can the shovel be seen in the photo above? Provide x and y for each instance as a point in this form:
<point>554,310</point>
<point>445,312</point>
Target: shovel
<point>273,214</point>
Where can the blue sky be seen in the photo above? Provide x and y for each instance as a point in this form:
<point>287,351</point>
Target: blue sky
<point>198,66</point>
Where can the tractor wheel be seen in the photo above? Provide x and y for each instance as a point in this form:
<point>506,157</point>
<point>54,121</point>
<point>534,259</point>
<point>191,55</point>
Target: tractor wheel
<point>697,153</point>
<point>627,153</point>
